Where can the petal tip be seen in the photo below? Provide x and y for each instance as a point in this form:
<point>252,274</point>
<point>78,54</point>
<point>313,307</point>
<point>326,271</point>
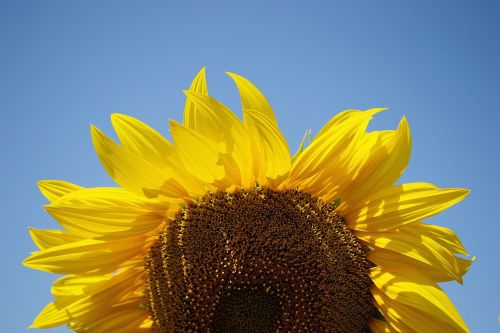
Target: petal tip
<point>118,117</point>
<point>42,184</point>
<point>404,122</point>
<point>462,193</point>
<point>94,130</point>
<point>28,263</point>
<point>234,76</point>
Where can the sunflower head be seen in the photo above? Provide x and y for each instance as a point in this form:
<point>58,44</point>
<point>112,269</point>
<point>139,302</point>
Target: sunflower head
<point>223,230</point>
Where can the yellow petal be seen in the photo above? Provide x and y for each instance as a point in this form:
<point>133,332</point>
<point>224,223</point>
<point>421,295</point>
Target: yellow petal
<point>323,167</point>
<point>145,142</point>
<point>100,298</point>
<point>47,319</point>
<point>252,98</point>
<point>337,120</point>
<point>399,205</point>
<point>132,172</point>
<point>218,124</point>
<point>199,85</point>
<point>415,291</point>
<point>117,320</point>
<point>54,189</point>
<point>275,159</point>
<point>302,144</point>
<point>213,119</point>
<point>444,236</point>
<point>427,265</point>
<point>106,211</point>
<point>45,239</point>
<point>414,320</point>
<point>413,241</point>
<point>204,163</point>
<point>78,285</point>
<point>259,119</point>
<point>380,162</point>
<point>87,255</point>
<point>221,128</point>
<point>142,140</point>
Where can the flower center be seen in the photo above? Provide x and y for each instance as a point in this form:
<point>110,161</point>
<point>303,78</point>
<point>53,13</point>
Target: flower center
<point>259,261</point>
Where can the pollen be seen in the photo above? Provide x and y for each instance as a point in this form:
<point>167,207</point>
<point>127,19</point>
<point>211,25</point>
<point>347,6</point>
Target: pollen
<point>259,260</point>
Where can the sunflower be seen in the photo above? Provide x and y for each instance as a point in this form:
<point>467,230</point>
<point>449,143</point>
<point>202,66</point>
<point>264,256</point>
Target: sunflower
<point>224,230</point>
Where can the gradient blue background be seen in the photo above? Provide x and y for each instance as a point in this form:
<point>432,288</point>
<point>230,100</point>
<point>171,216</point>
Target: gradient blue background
<point>67,64</point>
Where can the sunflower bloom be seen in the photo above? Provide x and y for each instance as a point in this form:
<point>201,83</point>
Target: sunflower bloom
<point>223,230</point>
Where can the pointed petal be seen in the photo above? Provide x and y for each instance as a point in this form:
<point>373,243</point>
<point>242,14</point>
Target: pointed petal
<point>415,291</point>
<point>142,140</point>
<point>214,119</point>
<point>199,85</point>
<point>47,317</point>
<point>434,271</point>
<point>218,124</point>
<point>259,119</point>
<point>118,319</point>
<point>87,255</point>
<point>205,162</point>
<point>379,164</point>
<point>145,142</point>
<point>323,167</point>
<point>417,241</point>
<point>100,297</point>
<point>132,172</point>
<point>77,285</point>
<point>399,205</point>
<point>46,239</point>
<point>302,144</point>
<point>54,189</point>
<point>444,236</point>
<point>252,98</point>
<point>337,120</point>
<point>271,144</point>
<point>107,211</point>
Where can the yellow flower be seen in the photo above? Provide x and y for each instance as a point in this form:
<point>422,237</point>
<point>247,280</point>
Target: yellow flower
<point>223,230</point>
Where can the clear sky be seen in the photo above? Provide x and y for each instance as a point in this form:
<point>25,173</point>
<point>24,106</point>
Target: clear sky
<point>67,64</point>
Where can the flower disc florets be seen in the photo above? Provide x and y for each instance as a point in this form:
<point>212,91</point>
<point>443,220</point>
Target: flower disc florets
<point>259,261</point>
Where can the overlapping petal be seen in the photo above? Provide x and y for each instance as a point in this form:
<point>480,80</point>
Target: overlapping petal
<point>46,239</point>
<point>400,205</point>
<point>132,172</point>
<point>260,121</point>
<point>399,289</point>
<point>379,161</point>
<point>129,318</point>
<point>88,255</point>
<point>199,85</point>
<point>325,166</point>
<point>142,140</point>
<point>221,127</point>
<point>103,211</point>
<point>205,162</point>
<point>253,99</point>
<point>54,189</point>
<point>98,297</point>
<point>413,243</point>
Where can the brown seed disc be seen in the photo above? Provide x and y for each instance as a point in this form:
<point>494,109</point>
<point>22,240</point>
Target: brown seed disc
<point>259,261</point>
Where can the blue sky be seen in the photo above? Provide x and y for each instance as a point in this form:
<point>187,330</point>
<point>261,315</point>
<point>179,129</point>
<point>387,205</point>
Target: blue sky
<point>67,64</point>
